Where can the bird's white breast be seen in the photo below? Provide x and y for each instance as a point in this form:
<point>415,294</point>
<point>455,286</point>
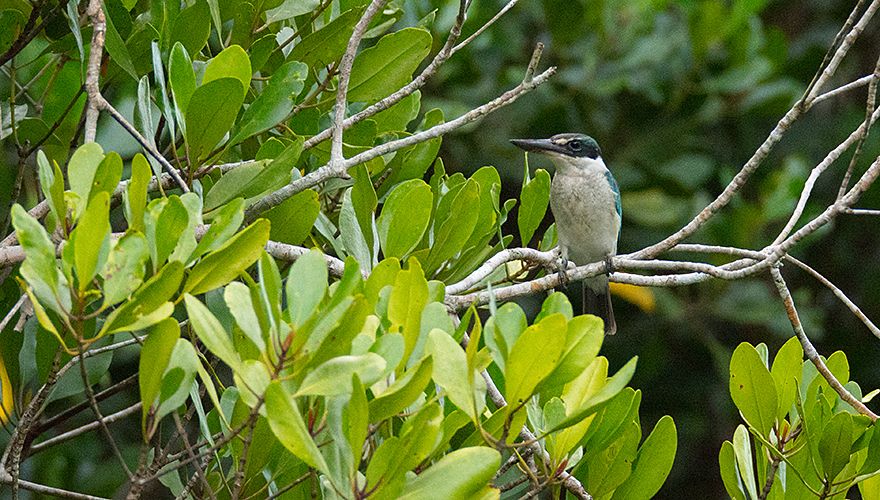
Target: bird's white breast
<point>584,208</point>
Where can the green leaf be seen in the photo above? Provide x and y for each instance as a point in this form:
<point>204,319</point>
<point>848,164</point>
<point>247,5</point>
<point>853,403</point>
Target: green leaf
<point>322,47</point>
<point>534,199</point>
<point>210,114</point>
<point>451,370</point>
<point>52,185</point>
<point>595,403</point>
<point>274,102</point>
<point>135,195</point>
<point>404,218</point>
<point>149,305</point>
<point>224,264</point>
<point>211,332</point>
<point>181,78</point>
<point>752,388</point>
<point>124,271</point>
<point>452,233</point>
<point>224,223</point>
<point>388,65</point>
<point>169,229</point>
<point>306,286</point>
<point>238,299</point>
<point>406,303</point>
<point>154,359</point>
<point>287,423</point>
<point>652,464</point>
<point>351,234</point>
<point>398,455</point>
<point>39,268</point>
<point>334,377</point>
<point>177,380</point>
<point>231,62</point>
<point>742,449</point>
<point>835,444</point>
<point>729,475</point>
<point>533,357</point>
<point>786,374</point>
<point>116,46</point>
<point>251,377</point>
<point>293,220</point>
<point>460,474</point>
<point>91,240</point>
<point>81,171</point>
<point>583,339</point>
<point>289,9</point>
<point>192,27</point>
<point>402,393</point>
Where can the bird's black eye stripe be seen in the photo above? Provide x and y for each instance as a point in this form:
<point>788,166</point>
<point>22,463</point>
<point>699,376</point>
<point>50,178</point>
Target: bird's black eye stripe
<point>575,145</point>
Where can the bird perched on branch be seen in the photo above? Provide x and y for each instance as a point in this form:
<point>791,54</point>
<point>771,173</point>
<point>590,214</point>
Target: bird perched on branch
<point>585,201</point>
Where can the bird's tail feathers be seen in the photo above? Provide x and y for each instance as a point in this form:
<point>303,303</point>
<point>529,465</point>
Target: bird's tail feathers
<point>599,304</point>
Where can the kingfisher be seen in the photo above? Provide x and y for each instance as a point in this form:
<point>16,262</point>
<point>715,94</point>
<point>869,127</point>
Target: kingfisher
<point>585,202</point>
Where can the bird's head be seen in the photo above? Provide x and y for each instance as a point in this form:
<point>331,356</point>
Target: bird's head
<point>571,153</point>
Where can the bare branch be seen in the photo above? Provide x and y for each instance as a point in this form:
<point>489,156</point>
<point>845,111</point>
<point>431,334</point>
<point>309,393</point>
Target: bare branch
<point>810,351</point>
<point>109,419</point>
<point>417,82</point>
<point>509,5</point>
<point>336,157</point>
<point>93,70</point>
<point>327,171</point>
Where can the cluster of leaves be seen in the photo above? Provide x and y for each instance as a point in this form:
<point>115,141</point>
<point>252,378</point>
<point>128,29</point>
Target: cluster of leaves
<point>801,439</point>
<point>371,369</point>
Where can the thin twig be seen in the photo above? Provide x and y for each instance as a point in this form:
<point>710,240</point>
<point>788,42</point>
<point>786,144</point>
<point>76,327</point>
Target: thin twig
<point>810,351</point>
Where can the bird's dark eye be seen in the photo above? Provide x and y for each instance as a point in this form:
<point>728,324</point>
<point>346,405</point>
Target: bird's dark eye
<point>575,145</point>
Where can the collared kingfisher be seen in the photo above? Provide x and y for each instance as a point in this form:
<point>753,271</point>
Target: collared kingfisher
<point>585,202</point>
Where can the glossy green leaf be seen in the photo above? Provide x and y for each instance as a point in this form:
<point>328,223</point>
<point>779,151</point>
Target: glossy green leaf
<point>210,114</point>
<point>652,464</point>
<point>192,27</point>
<point>451,370</point>
<point>459,474</point>
<point>52,185</point>
<point>251,377</point>
<point>81,171</point>
<point>183,365</point>
<point>274,102</point>
<point>351,233</point>
<point>224,264</point>
<point>612,387</point>
<point>729,474</point>
<point>786,372</point>
<point>238,299</point>
<point>402,392</point>
<point>452,233</point>
<point>116,46</point>
<point>404,218</point>
<point>406,303</point>
<point>306,286</point>
<point>224,224</point>
<point>154,359</point>
<point>742,449</point>
<point>211,332</point>
<point>168,231</point>
<point>149,304</point>
<point>135,195</point>
<point>91,240</point>
<point>124,271</point>
<point>752,388</point>
<point>290,8</point>
<point>835,444</point>
<point>327,44</point>
<point>39,268</point>
<point>231,62</point>
<point>293,220</point>
<point>159,79</point>
<point>388,65</point>
<point>287,424</point>
<point>181,78</point>
<point>534,198</point>
<point>533,357</point>
<point>333,377</point>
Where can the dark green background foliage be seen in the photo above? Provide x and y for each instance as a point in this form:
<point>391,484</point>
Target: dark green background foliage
<point>678,94</point>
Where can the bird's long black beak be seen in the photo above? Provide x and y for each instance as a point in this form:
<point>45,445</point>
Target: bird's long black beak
<point>537,145</point>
